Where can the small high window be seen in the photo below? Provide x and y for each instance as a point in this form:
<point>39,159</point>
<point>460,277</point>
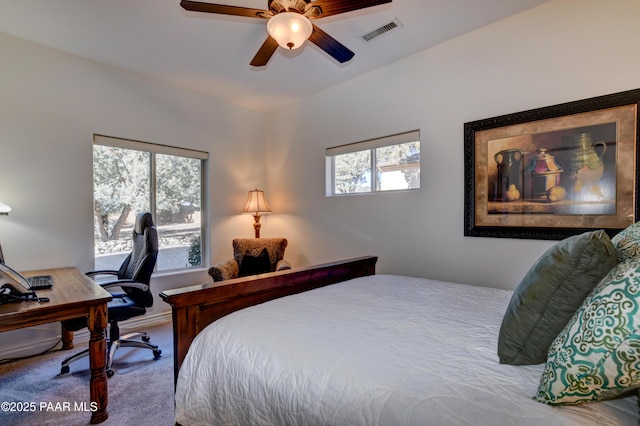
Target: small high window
<point>385,164</point>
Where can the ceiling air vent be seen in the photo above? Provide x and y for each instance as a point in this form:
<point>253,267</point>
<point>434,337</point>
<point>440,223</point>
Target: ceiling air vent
<point>382,30</point>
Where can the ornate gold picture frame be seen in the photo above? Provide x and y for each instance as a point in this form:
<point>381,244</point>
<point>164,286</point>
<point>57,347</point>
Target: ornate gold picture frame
<point>553,172</point>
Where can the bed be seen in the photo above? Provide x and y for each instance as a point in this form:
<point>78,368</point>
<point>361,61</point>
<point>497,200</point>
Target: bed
<point>366,350</point>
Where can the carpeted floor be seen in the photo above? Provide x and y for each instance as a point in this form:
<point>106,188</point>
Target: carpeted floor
<point>140,392</point>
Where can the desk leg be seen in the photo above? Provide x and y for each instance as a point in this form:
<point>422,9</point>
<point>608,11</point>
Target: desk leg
<point>67,339</point>
<point>98,362</point>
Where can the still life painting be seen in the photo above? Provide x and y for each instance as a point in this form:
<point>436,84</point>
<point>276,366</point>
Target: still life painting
<point>555,171</point>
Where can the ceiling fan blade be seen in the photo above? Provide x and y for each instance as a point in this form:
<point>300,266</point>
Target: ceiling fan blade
<point>334,7</point>
<point>330,45</point>
<point>196,6</point>
<point>266,51</point>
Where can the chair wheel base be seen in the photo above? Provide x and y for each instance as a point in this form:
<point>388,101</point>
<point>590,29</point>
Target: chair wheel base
<point>146,338</point>
<point>110,373</point>
<point>157,353</point>
<point>65,369</point>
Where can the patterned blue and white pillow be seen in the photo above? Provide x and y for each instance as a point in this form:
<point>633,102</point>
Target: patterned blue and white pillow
<point>627,242</point>
<point>597,355</point>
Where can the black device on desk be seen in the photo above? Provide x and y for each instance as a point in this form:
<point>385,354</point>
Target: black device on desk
<point>15,288</point>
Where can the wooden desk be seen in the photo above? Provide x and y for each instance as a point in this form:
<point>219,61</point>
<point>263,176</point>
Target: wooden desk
<point>73,295</point>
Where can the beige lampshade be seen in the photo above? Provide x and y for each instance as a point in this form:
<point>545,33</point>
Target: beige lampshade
<point>289,29</point>
<point>256,204</point>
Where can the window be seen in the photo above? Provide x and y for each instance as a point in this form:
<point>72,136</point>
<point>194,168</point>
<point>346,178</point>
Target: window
<point>130,177</point>
<point>395,160</point>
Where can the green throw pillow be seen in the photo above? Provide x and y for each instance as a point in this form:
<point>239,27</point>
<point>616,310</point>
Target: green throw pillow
<point>597,355</point>
<point>549,295</point>
<point>627,242</point>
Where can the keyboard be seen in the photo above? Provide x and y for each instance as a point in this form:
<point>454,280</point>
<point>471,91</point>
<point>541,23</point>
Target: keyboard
<point>39,282</point>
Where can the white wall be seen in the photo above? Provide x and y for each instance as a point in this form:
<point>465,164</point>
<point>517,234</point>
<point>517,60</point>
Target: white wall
<point>52,103</point>
<point>561,51</point>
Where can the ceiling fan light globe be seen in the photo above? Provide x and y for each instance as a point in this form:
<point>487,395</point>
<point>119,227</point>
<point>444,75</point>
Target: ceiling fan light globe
<point>289,29</point>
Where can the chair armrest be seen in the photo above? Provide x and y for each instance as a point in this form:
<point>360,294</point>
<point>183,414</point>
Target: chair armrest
<point>226,270</point>
<point>282,265</point>
<point>125,284</point>
<point>103,272</point>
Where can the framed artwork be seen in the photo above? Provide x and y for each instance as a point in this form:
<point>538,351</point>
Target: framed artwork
<point>553,172</point>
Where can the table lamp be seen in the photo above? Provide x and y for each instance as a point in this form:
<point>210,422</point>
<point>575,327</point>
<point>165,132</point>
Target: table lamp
<point>4,210</point>
<point>256,204</point>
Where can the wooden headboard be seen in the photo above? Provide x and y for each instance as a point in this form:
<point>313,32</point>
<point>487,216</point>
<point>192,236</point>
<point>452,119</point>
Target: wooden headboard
<point>195,307</point>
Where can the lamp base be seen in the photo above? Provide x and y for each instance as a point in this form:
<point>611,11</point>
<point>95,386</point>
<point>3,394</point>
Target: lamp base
<point>257,225</point>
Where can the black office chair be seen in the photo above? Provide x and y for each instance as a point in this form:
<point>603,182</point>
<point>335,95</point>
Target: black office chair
<point>133,279</point>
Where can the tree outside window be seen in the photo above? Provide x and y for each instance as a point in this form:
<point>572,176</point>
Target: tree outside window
<point>130,181</point>
<point>353,172</point>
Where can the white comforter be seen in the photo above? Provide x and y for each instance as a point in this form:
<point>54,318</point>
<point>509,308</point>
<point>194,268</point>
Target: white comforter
<point>380,350</point>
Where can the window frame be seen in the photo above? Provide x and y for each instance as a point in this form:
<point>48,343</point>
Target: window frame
<point>153,149</point>
<point>370,145</point>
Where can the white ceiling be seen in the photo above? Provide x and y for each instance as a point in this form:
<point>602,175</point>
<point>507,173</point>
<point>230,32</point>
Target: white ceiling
<point>211,53</point>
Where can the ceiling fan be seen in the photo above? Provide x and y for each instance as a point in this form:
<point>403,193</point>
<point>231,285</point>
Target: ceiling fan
<point>289,23</point>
